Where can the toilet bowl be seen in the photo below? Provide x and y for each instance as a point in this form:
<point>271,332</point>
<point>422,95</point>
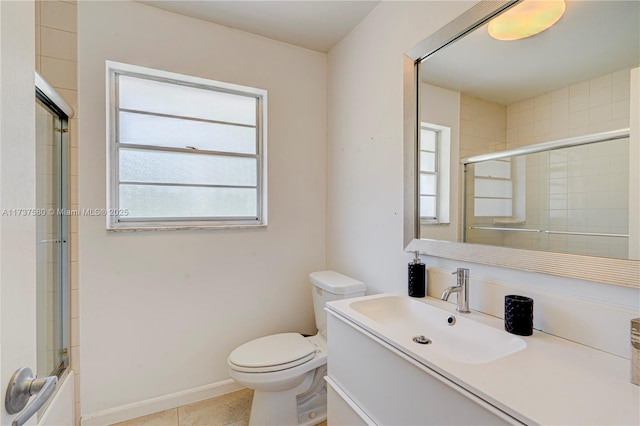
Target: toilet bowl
<point>286,371</point>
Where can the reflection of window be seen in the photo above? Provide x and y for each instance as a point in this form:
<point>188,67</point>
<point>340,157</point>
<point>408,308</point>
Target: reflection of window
<point>493,195</point>
<point>428,173</point>
<point>434,173</point>
<point>185,152</point>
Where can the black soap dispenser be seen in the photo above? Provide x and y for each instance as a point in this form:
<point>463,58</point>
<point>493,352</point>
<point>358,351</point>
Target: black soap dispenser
<point>417,278</point>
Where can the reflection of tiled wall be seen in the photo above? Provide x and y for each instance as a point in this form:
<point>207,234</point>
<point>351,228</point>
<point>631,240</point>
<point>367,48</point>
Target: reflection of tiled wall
<point>591,106</point>
<point>483,127</point>
<point>56,60</point>
<point>585,188</point>
<point>582,189</point>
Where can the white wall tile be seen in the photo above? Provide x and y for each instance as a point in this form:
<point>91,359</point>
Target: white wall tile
<point>38,48</point>
<point>620,109</point>
<point>598,218</point>
<point>600,114</point>
<point>59,73</point>
<point>542,112</point>
<point>619,199</point>
<point>620,123</point>
<point>58,44</point>
<point>598,200</point>
<point>579,89</point>
<point>525,116</point>
<point>620,91</point>
<point>578,103</point>
<point>578,119</point>
<point>600,97</point>
<point>618,181</point>
<point>541,129</point>
<point>37,12</point>
<point>601,82</point>
<point>74,307</point>
<point>620,76</point>
<point>526,105</point>
<point>560,94</point>
<point>544,99</point>
<point>619,218</point>
<point>577,200</point>
<point>59,15</point>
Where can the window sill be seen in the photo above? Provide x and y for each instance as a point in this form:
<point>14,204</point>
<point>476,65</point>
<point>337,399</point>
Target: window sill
<point>145,227</point>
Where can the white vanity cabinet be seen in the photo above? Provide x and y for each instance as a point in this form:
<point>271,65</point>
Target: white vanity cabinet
<point>371,382</point>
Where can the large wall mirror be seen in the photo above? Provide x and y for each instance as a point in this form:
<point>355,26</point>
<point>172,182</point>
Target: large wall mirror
<point>525,152</point>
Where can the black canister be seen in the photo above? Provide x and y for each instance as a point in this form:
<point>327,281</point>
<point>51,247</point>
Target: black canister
<point>417,278</point>
<point>518,315</point>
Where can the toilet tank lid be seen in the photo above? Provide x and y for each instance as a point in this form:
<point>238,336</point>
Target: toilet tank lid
<point>336,283</point>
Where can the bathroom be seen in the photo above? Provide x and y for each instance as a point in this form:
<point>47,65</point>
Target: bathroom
<point>155,314</point>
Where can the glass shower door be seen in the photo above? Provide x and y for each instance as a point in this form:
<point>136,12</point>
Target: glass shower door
<point>51,240</point>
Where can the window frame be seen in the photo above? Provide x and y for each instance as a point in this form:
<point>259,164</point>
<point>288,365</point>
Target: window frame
<point>442,174</point>
<point>436,171</point>
<point>119,222</point>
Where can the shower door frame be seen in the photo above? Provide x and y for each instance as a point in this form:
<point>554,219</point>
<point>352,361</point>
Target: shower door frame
<point>58,107</point>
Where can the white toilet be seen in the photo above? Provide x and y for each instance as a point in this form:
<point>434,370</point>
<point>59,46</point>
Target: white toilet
<point>287,370</point>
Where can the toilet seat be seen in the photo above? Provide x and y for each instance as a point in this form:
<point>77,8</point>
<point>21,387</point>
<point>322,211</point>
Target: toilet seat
<point>272,353</point>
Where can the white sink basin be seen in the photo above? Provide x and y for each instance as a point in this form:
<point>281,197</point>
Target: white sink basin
<point>466,340</point>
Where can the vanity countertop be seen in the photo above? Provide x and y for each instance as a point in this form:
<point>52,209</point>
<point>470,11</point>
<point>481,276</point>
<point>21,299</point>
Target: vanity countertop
<point>552,381</point>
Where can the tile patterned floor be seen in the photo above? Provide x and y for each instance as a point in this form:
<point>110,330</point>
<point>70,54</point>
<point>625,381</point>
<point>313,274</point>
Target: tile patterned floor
<point>227,410</point>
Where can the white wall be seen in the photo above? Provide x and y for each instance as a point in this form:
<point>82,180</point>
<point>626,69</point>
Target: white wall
<point>365,160</point>
<point>365,143</point>
<point>442,107</point>
<point>161,311</point>
<point>17,191</point>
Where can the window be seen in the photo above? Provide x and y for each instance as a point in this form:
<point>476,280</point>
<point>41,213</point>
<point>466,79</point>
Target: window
<point>434,169</point>
<point>184,151</point>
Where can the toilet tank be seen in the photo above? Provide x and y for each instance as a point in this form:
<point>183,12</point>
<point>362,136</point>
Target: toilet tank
<point>328,286</point>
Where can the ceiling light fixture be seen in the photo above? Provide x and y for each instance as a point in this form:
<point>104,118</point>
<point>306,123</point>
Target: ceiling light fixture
<point>526,19</point>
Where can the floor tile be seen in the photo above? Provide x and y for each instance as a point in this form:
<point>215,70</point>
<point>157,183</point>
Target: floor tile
<point>231,409</point>
<point>163,418</point>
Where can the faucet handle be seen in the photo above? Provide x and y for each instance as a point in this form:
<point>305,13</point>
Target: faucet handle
<point>462,276</point>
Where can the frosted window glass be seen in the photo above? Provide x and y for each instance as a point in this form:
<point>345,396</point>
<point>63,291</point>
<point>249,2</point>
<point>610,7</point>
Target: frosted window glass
<point>427,162</point>
<point>493,188</point>
<point>427,206</point>
<point>155,201</point>
<point>427,140</point>
<point>494,168</point>
<point>138,165</point>
<point>492,207</point>
<point>428,184</point>
<point>166,98</point>
<point>143,129</point>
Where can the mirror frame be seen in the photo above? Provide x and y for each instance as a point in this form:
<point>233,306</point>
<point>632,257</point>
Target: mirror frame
<point>590,268</point>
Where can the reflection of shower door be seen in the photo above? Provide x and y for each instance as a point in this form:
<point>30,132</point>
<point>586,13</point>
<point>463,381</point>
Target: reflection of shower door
<point>51,240</point>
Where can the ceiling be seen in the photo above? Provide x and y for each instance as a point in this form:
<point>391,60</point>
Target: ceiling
<point>591,39</point>
<point>312,24</point>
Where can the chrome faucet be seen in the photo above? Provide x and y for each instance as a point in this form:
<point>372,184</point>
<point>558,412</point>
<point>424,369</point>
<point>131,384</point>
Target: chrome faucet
<point>462,288</point>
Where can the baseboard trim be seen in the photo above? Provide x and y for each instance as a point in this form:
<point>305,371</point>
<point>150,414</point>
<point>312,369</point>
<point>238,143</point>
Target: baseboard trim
<point>161,403</point>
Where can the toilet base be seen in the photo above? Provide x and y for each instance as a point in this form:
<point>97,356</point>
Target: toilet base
<point>304,405</point>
